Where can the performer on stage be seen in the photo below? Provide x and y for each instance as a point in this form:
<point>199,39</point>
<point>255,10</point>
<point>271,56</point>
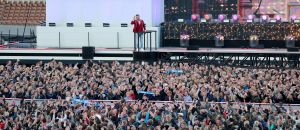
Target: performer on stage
<point>138,27</point>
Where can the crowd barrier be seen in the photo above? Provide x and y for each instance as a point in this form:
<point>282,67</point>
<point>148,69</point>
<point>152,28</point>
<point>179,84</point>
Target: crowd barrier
<point>291,107</point>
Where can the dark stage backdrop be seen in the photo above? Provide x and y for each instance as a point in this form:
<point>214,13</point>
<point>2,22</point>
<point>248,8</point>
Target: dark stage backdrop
<point>183,9</point>
<point>178,9</point>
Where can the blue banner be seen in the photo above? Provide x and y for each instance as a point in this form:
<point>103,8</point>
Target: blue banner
<point>146,92</point>
<point>174,71</point>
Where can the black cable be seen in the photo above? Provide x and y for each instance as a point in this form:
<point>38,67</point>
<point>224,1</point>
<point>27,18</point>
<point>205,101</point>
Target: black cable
<point>255,13</point>
<point>29,10</point>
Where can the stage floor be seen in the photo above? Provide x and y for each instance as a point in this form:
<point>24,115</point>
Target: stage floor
<point>125,54</point>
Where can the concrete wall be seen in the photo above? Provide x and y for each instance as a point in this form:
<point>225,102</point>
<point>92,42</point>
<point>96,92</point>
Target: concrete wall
<point>76,37</point>
<point>104,11</point>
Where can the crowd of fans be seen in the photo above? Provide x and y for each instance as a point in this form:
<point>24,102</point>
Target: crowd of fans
<point>144,115</point>
<point>145,82</point>
<point>157,81</point>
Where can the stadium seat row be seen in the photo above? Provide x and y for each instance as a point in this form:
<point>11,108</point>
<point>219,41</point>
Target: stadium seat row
<point>22,12</point>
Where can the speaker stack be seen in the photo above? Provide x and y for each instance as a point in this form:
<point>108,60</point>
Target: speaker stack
<point>88,52</point>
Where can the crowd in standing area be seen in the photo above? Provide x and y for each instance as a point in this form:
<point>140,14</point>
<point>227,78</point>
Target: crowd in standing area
<point>145,82</point>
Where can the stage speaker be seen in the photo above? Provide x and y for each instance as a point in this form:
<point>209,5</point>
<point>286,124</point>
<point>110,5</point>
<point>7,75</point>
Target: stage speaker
<point>70,24</point>
<point>293,49</point>
<point>88,52</point>
<point>88,24</point>
<point>192,48</point>
<point>254,41</point>
<point>52,24</point>
<point>290,44</point>
<point>219,41</point>
<point>290,41</point>
<point>184,40</point>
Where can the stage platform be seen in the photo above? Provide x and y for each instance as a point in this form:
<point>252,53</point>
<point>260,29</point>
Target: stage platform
<point>63,54</point>
<point>201,56</point>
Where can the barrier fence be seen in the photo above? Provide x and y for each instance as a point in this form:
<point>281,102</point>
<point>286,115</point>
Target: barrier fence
<point>16,101</point>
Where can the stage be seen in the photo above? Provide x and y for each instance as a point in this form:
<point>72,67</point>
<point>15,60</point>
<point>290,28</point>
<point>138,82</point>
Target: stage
<point>216,56</point>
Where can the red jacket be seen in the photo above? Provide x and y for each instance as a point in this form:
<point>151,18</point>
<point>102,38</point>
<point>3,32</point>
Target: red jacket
<point>2,125</point>
<point>138,26</point>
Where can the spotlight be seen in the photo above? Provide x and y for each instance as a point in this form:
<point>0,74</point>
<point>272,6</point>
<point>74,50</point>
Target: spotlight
<point>264,18</point>
<point>222,17</point>
<point>235,18</point>
<point>293,18</point>
<point>278,18</point>
<point>207,18</point>
<point>194,17</point>
<point>251,17</point>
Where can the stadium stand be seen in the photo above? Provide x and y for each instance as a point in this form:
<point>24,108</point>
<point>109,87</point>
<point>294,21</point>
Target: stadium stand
<point>22,12</point>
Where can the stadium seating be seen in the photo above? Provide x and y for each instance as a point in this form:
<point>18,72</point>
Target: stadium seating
<point>22,12</point>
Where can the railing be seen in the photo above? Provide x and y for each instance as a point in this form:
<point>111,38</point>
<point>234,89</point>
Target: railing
<point>17,101</point>
<point>145,40</point>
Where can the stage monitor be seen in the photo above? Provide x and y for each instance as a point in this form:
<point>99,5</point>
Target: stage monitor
<point>249,20</point>
<point>297,21</point>
<point>226,21</point>
<point>273,21</point>
<point>203,20</point>
<point>180,20</point>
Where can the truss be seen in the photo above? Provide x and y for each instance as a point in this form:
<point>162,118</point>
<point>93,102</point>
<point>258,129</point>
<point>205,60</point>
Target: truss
<point>234,59</point>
